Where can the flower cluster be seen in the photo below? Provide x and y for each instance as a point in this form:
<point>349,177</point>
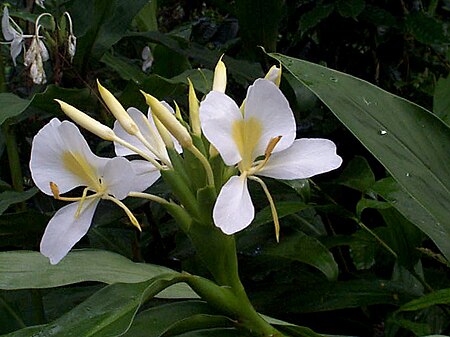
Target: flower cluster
<point>254,139</point>
<point>37,52</point>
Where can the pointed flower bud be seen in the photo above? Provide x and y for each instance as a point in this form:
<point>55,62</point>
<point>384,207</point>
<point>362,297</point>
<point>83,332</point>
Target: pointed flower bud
<point>220,76</point>
<point>87,122</point>
<point>117,110</point>
<point>164,133</point>
<point>194,117</point>
<point>274,75</point>
<point>169,121</point>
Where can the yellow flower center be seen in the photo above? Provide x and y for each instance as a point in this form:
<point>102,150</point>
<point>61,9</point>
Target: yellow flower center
<point>246,134</point>
<point>79,166</point>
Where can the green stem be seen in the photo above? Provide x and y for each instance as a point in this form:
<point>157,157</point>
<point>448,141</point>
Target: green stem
<point>2,74</point>
<point>13,157</point>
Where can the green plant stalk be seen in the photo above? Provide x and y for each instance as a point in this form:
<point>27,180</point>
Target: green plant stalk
<point>2,74</point>
<point>13,156</point>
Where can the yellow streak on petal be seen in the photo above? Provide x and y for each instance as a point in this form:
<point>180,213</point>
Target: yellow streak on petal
<point>79,166</point>
<point>246,134</point>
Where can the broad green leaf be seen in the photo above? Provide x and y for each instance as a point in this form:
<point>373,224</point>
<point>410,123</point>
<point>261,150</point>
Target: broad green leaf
<point>303,248</point>
<point>107,313</point>
<point>437,297</point>
<point>100,24</point>
<point>363,249</point>
<point>163,316</point>
<point>419,329</point>
<point>347,294</point>
<point>25,269</point>
<point>350,8</point>
<point>146,19</point>
<point>313,17</point>
<point>408,140</point>
<point>391,191</point>
<point>12,106</point>
<point>9,198</point>
<point>198,322</point>
<point>126,69</point>
<point>284,208</point>
<point>357,175</point>
<point>441,99</point>
<point>426,29</point>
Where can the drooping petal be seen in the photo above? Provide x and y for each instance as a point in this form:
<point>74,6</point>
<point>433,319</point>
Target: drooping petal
<point>8,32</point>
<point>306,157</point>
<point>118,177</point>
<point>64,230</point>
<point>234,209</point>
<point>138,117</point>
<point>60,154</point>
<point>267,104</point>
<point>218,114</point>
<point>146,175</point>
<point>16,48</point>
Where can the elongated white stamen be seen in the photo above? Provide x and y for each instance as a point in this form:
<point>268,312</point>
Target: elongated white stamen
<point>130,215</point>
<point>272,205</point>
<point>149,196</point>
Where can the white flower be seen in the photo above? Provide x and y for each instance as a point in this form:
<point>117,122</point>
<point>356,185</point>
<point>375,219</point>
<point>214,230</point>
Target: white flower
<point>40,3</point>
<point>147,58</point>
<point>260,139</point>
<point>61,160</point>
<point>153,137</point>
<point>35,57</point>
<point>12,34</point>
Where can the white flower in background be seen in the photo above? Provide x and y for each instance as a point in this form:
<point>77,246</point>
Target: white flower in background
<point>13,34</point>
<point>260,139</point>
<point>61,160</point>
<point>147,58</point>
<point>72,39</point>
<point>35,57</point>
<point>40,3</point>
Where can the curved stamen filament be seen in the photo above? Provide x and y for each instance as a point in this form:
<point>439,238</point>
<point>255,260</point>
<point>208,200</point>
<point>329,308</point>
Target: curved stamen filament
<point>272,206</point>
<point>130,215</point>
<point>269,149</point>
<point>139,152</point>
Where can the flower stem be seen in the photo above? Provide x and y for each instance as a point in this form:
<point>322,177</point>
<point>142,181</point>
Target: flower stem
<point>205,163</point>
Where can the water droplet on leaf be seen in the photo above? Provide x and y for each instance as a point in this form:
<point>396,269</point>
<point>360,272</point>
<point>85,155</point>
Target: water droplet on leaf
<point>383,132</point>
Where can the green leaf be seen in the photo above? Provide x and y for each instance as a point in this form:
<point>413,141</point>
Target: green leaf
<point>24,270</point>
<point>437,297</point>
<point>313,17</point>
<point>197,322</point>
<point>107,313</point>
<point>123,66</point>
<point>408,140</point>
<point>350,8</point>
<point>9,198</point>
<point>284,208</point>
<point>100,24</point>
<point>357,175</point>
<point>391,191</point>
<point>426,29</point>
<point>362,249</point>
<point>441,99</point>
<point>12,106</point>
<point>419,329</point>
<point>303,248</point>
<point>163,316</point>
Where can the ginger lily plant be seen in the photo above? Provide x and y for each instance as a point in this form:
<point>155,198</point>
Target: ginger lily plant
<point>197,160</point>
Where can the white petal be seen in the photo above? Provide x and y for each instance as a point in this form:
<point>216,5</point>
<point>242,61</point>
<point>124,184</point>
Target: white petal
<point>8,32</point>
<point>118,176</point>
<point>306,157</point>
<point>234,209</point>
<point>47,151</point>
<point>16,48</point>
<point>146,175</point>
<point>151,135</point>
<point>64,230</point>
<point>43,50</point>
<point>266,103</point>
<point>218,113</point>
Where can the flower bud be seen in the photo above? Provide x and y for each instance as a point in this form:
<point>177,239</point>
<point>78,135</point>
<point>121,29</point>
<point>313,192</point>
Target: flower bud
<point>87,122</point>
<point>164,133</point>
<point>194,117</point>
<point>117,110</point>
<point>274,75</point>
<point>220,76</point>
<point>169,121</point>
